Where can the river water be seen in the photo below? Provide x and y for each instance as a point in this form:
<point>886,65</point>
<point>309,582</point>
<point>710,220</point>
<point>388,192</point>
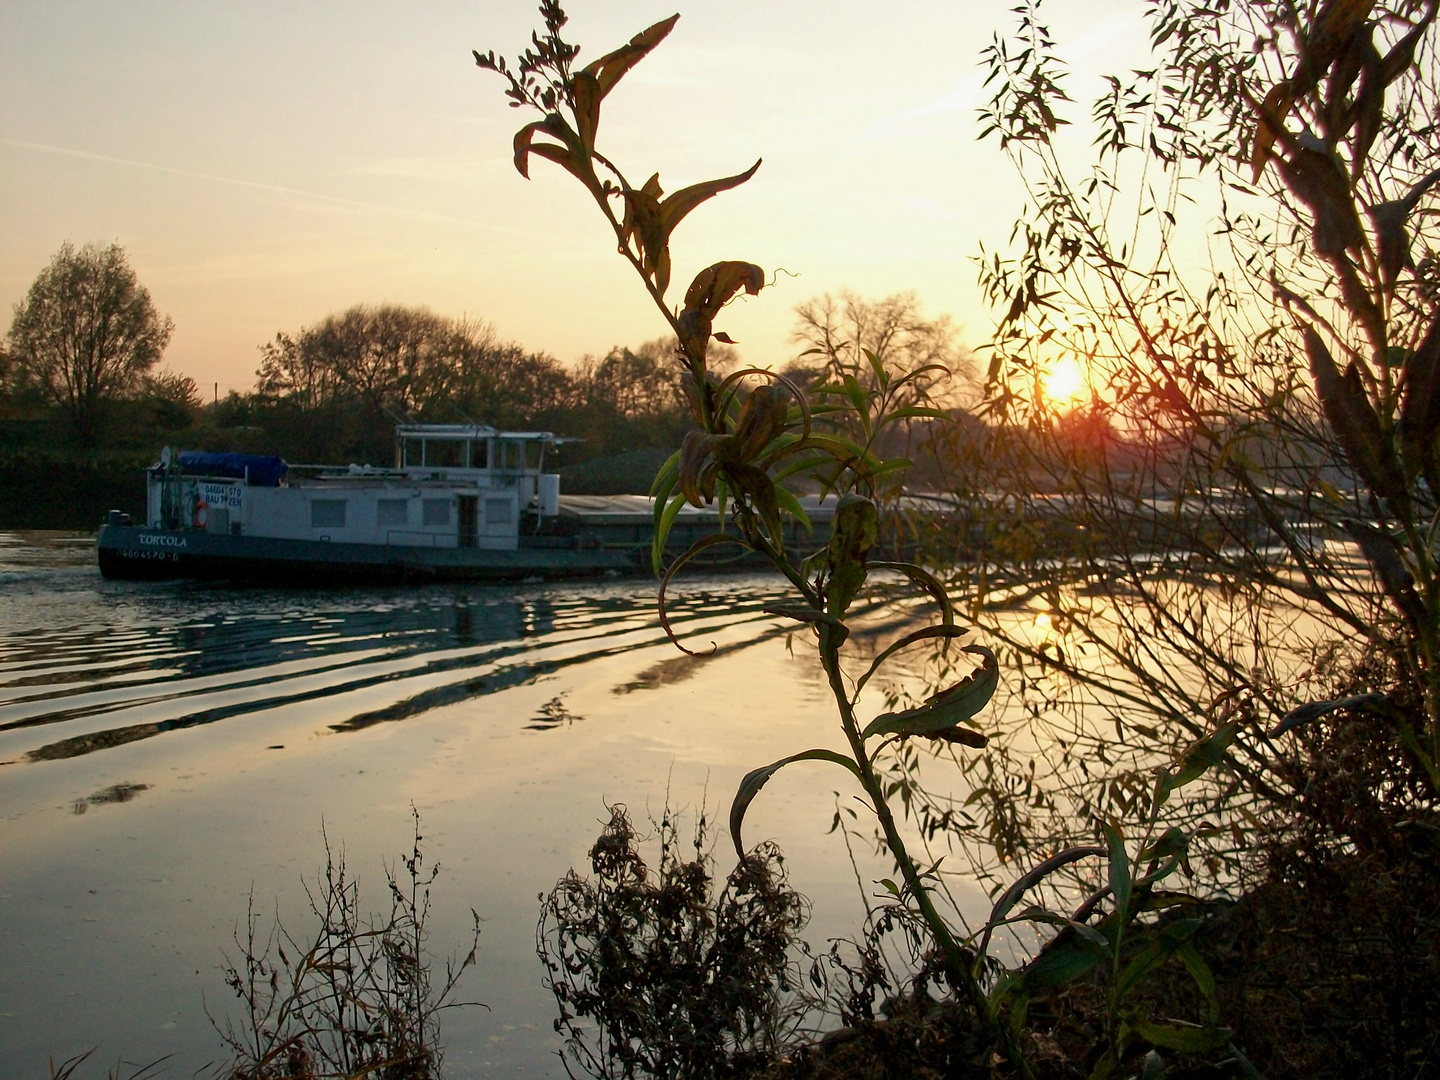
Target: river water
<point>168,750</point>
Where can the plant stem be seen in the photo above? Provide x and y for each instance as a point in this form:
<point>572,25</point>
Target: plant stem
<point>961,974</point>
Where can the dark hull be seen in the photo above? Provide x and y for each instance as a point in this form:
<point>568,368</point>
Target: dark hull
<point>133,553</point>
<point>127,552</point>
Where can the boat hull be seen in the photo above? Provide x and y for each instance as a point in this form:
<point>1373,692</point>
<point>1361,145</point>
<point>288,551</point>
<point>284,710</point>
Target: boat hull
<point>136,553</point>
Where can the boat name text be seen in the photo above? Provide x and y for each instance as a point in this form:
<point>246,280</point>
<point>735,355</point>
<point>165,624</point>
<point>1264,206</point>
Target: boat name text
<point>164,541</point>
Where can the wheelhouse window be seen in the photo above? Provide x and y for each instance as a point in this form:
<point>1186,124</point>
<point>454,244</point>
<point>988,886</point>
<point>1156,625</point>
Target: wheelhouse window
<point>327,513</point>
<point>445,453</point>
<point>435,511</point>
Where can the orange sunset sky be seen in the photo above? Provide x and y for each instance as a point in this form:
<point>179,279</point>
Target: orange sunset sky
<point>266,163</point>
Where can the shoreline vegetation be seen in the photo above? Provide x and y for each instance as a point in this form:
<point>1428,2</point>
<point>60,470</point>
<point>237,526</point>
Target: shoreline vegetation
<point>1201,776</point>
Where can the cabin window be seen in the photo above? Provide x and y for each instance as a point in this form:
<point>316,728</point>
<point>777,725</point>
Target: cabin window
<point>499,512</point>
<point>327,513</point>
<point>510,455</point>
<point>414,453</point>
<point>436,511</point>
<point>480,454</point>
<point>390,512</point>
<point>445,453</point>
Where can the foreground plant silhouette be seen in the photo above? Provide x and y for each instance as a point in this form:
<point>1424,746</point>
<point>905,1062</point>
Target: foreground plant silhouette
<point>355,998</point>
<point>750,440</point>
<point>658,973</point>
<point>756,430</point>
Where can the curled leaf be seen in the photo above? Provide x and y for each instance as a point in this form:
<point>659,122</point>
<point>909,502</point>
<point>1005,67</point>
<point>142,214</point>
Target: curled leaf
<point>695,452</point>
<point>946,632</point>
<point>711,290</point>
<point>756,779</point>
<point>761,420</point>
<point>1011,896</point>
<point>1307,713</point>
<point>673,569</point>
<point>948,708</point>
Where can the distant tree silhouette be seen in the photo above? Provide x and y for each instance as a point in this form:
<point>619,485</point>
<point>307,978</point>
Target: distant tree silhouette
<point>85,334</point>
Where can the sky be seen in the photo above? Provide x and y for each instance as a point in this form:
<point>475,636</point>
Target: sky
<point>264,164</point>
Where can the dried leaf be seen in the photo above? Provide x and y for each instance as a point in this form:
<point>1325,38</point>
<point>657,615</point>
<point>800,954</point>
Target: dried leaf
<point>695,452</point>
<point>853,533</point>
<point>587,108</point>
<point>711,290</point>
<point>1395,578</point>
<point>762,419</point>
<point>1276,106</point>
<point>1420,406</point>
<point>674,208</point>
<point>609,68</point>
<point>1319,181</point>
<point>1355,424</point>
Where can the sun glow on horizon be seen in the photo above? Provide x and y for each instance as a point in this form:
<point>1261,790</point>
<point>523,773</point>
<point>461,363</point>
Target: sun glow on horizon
<point>1064,382</point>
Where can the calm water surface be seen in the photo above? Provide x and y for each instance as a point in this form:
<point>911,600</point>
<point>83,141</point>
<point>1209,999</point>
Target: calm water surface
<point>168,749</point>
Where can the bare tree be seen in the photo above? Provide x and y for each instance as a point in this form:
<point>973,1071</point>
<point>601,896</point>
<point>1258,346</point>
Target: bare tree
<point>839,331</point>
<point>86,333</point>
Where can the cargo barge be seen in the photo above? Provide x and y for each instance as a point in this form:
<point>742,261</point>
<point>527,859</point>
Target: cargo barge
<point>462,502</point>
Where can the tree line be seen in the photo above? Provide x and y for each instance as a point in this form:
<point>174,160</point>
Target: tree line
<point>81,377</point>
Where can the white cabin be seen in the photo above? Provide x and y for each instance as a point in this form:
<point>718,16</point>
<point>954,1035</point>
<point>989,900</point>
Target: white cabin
<point>452,485</point>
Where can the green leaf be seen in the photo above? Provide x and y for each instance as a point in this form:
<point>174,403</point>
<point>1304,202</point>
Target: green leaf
<point>664,518</point>
<point>925,580</point>
<point>1185,1040</point>
<point>791,505</point>
<point>913,412</point>
<point>947,708</point>
<point>946,632</point>
<point>899,464</point>
<point>756,779</point>
<point>853,532</point>
<point>1120,880</point>
<point>1019,888</point>
<point>1201,973</point>
<point>1061,963</point>
<point>666,477</point>
<point>1169,850</point>
<point>1196,760</point>
<point>860,400</point>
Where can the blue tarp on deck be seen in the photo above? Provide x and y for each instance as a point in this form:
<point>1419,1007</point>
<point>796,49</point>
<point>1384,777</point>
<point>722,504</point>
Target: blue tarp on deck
<point>264,471</point>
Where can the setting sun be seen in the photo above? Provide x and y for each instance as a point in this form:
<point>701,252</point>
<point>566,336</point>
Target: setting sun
<point>1065,383</point>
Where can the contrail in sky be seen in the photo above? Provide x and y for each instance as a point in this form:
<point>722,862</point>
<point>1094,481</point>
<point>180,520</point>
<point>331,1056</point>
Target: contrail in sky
<point>254,185</point>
